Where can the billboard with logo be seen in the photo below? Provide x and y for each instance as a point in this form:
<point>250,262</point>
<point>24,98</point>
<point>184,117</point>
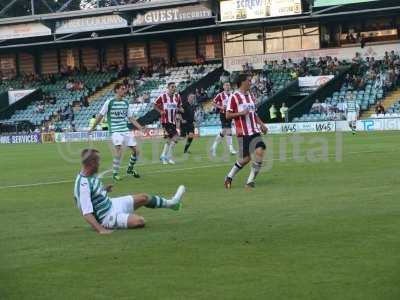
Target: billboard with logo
<point>91,24</point>
<point>173,15</point>
<point>8,32</point>
<point>234,10</point>
<point>312,83</point>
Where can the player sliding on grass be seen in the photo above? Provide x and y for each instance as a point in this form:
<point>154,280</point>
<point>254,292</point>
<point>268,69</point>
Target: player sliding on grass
<point>242,109</point>
<point>104,213</point>
<point>116,110</point>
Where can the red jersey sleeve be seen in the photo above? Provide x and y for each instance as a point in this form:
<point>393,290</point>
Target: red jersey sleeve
<point>217,99</point>
<point>159,102</point>
<point>232,104</point>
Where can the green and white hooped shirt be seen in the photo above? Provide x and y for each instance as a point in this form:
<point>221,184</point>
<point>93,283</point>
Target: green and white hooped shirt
<point>117,115</point>
<point>91,196</point>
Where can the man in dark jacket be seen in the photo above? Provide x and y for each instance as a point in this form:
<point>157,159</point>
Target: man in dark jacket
<point>188,119</point>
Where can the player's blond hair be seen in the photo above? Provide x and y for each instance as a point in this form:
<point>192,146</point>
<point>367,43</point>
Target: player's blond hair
<point>88,155</point>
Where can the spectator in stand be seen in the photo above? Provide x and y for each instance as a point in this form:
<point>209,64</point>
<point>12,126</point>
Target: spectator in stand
<point>40,107</point>
<point>316,107</point>
<point>224,77</point>
<point>70,85</point>
<point>379,108</point>
<point>273,113</point>
<point>341,108</point>
<point>92,121</point>
<point>284,111</point>
<point>324,107</point>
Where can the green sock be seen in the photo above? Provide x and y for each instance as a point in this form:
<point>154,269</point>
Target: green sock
<point>132,160</point>
<point>160,202</point>
<point>116,164</point>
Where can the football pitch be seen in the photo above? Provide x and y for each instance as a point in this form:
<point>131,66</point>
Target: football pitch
<point>322,223</point>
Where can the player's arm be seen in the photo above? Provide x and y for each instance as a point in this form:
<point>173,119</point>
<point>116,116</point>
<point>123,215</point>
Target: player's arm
<point>263,128</point>
<point>157,105</point>
<point>95,225</point>
<point>97,122</point>
<point>216,101</point>
<point>232,110</point>
<point>135,123</point>
<point>101,115</point>
<point>86,207</point>
<point>180,107</point>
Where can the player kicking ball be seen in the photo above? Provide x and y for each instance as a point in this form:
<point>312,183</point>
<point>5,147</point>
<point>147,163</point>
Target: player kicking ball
<point>352,109</point>
<point>241,109</point>
<point>116,110</point>
<point>104,213</point>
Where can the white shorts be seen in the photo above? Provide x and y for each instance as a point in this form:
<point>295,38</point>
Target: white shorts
<point>351,116</point>
<point>121,208</point>
<point>123,138</point>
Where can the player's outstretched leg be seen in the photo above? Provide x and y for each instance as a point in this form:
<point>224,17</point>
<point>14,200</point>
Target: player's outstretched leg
<point>132,161</point>
<point>155,201</point>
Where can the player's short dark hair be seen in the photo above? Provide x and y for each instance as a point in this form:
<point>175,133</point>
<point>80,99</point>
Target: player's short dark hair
<point>118,86</point>
<point>88,154</point>
<point>170,83</point>
<point>241,78</point>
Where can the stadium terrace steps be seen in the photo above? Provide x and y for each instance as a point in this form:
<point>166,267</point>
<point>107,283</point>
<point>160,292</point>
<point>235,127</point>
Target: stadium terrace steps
<point>103,91</point>
<point>387,102</point>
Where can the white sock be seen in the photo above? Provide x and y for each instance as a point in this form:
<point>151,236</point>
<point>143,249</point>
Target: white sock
<point>165,150</point>
<point>235,169</point>
<point>171,150</point>
<point>229,140</point>
<point>217,140</point>
<point>255,169</point>
<point>116,165</point>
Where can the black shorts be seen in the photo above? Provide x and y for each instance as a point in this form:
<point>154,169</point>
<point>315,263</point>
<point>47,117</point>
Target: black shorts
<point>186,129</point>
<point>224,122</point>
<point>169,130</point>
<point>249,143</point>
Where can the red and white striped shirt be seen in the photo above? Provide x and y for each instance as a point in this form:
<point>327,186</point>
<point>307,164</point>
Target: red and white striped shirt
<point>222,100</point>
<point>170,106</point>
<point>245,125</point>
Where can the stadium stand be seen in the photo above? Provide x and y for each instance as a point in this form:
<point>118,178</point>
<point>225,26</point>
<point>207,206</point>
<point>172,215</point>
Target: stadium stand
<point>376,80</point>
<point>39,112</point>
<point>146,91</point>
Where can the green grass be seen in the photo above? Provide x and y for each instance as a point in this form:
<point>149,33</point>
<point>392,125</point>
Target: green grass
<point>310,230</point>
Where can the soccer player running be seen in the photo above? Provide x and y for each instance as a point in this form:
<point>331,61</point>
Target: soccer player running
<point>168,104</point>
<point>220,102</point>
<point>104,213</point>
<point>188,119</point>
<point>116,111</point>
<point>352,109</point>
<point>242,109</point>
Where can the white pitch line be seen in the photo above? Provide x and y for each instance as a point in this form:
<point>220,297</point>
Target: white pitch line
<point>101,175</point>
